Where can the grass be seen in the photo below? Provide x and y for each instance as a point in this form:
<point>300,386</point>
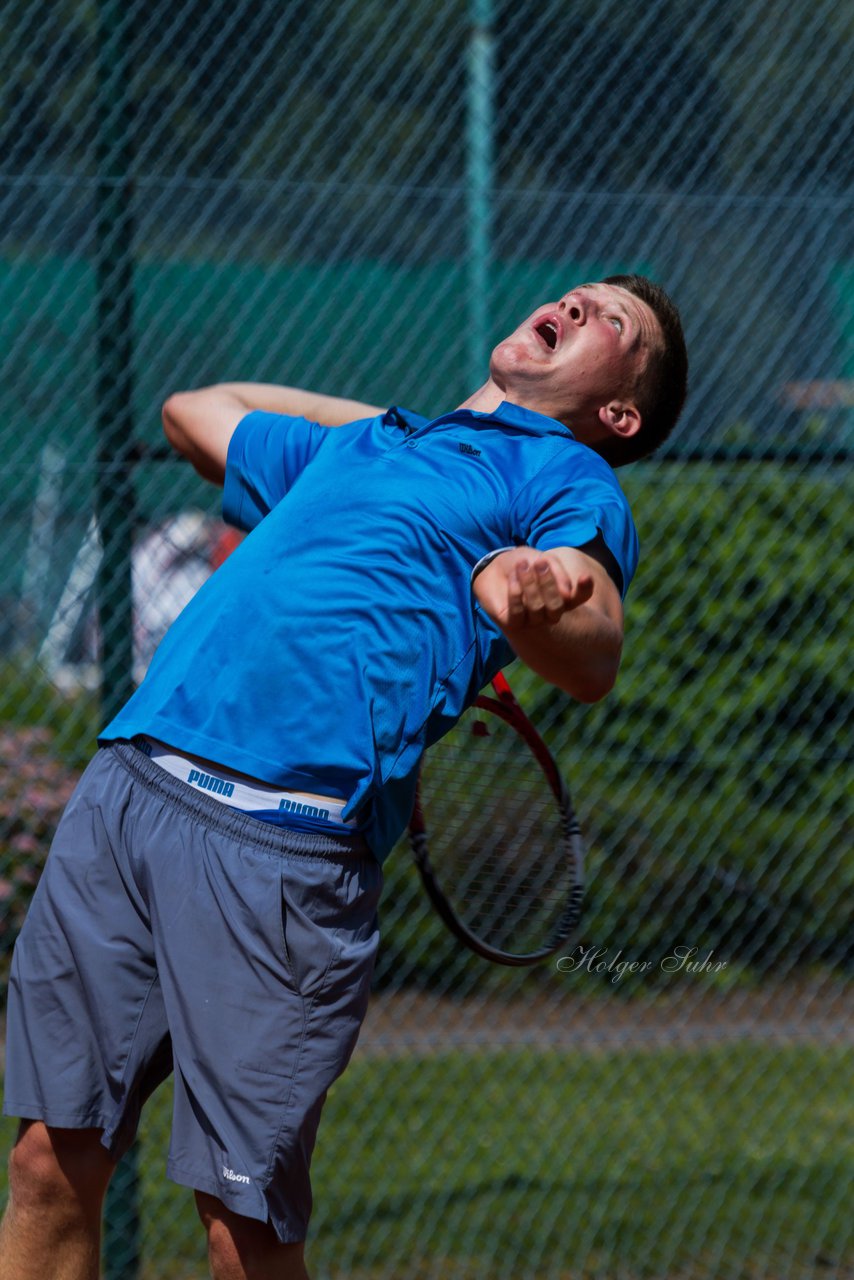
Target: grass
<point>729,1164</point>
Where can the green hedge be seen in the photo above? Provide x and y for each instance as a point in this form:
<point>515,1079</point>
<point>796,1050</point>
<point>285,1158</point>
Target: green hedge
<point>714,783</point>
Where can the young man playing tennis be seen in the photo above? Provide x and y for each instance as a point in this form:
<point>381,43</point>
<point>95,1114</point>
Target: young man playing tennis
<point>209,903</point>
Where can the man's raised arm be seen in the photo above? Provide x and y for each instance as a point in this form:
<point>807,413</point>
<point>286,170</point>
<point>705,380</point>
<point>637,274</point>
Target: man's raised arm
<point>561,612</point>
<point>200,424</point>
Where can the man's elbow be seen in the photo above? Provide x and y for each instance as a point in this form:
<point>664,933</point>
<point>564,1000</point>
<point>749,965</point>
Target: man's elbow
<point>192,427</point>
<point>592,688</point>
<point>172,417</point>
<point>588,684</point>
<point>595,681</point>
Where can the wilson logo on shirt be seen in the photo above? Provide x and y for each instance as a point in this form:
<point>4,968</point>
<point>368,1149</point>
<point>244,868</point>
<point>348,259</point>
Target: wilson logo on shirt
<point>470,450</point>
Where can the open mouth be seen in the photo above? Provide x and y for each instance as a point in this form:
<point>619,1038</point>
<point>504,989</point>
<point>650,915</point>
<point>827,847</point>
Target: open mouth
<point>547,329</point>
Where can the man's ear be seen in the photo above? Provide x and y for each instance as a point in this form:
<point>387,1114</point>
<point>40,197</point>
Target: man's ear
<point>621,417</point>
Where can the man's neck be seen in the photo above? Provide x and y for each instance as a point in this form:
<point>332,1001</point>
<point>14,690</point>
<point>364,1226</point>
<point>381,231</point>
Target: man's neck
<point>485,399</point>
<point>488,397</point>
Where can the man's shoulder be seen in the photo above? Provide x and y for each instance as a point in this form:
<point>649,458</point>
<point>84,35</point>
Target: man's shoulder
<point>571,465</point>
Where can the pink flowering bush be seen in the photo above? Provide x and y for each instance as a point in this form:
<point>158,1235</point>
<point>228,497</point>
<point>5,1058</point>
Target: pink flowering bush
<point>34,788</point>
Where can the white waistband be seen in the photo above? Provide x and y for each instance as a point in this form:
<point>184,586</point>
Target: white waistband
<point>235,790</point>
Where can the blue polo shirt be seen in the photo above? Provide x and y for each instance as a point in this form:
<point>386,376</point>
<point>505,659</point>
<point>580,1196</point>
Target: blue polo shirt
<point>341,637</point>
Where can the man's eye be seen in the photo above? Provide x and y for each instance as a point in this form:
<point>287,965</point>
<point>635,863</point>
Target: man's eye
<point>617,323</point>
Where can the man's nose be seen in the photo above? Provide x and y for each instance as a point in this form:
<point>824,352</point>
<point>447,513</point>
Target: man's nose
<point>574,308</point>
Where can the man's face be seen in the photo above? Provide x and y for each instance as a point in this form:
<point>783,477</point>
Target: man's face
<point>573,357</point>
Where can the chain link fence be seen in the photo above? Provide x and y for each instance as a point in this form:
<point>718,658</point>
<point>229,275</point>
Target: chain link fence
<point>362,198</point>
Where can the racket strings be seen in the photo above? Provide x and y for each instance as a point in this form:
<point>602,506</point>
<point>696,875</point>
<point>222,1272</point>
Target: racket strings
<point>498,839</point>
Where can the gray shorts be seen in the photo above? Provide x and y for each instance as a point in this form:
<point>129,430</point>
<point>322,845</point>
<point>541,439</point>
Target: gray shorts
<point>170,933</point>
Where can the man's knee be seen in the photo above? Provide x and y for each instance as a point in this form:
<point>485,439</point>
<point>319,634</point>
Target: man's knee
<point>240,1246</point>
<point>50,1166</point>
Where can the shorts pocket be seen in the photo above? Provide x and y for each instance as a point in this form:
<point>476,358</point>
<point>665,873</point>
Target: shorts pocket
<point>309,927</point>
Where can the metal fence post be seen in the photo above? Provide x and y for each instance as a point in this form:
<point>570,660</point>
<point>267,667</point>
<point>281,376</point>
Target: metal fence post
<point>479,163</point>
<point>114,490</point>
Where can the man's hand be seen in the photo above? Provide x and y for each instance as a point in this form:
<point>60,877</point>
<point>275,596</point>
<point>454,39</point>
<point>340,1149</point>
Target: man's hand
<point>561,612</point>
<point>529,588</point>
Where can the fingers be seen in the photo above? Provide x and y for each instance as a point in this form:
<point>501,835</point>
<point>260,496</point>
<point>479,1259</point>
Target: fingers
<point>544,594</point>
<point>540,591</point>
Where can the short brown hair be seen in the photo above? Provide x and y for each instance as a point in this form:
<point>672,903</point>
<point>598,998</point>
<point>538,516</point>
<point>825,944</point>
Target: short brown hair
<point>664,382</point>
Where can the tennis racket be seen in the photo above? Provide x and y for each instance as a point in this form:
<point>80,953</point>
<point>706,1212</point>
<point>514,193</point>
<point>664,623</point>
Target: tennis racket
<point>495,837</point>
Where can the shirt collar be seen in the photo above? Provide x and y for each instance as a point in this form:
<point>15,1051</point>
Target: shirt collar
<point>406,418</point>
<point>513,415</point>
<point>528,419</point>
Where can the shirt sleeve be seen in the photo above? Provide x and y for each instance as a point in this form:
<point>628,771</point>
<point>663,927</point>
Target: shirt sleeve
<point>266,454</point>
<point>573,503</point>
<point>494,650</point>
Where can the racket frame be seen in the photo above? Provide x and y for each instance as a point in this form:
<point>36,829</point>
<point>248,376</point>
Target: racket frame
<point>506,706</point>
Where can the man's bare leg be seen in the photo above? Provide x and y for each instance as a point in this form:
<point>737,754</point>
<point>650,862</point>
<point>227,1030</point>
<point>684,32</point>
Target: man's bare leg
<point>52,1224</point>
<point>240,1248</point>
